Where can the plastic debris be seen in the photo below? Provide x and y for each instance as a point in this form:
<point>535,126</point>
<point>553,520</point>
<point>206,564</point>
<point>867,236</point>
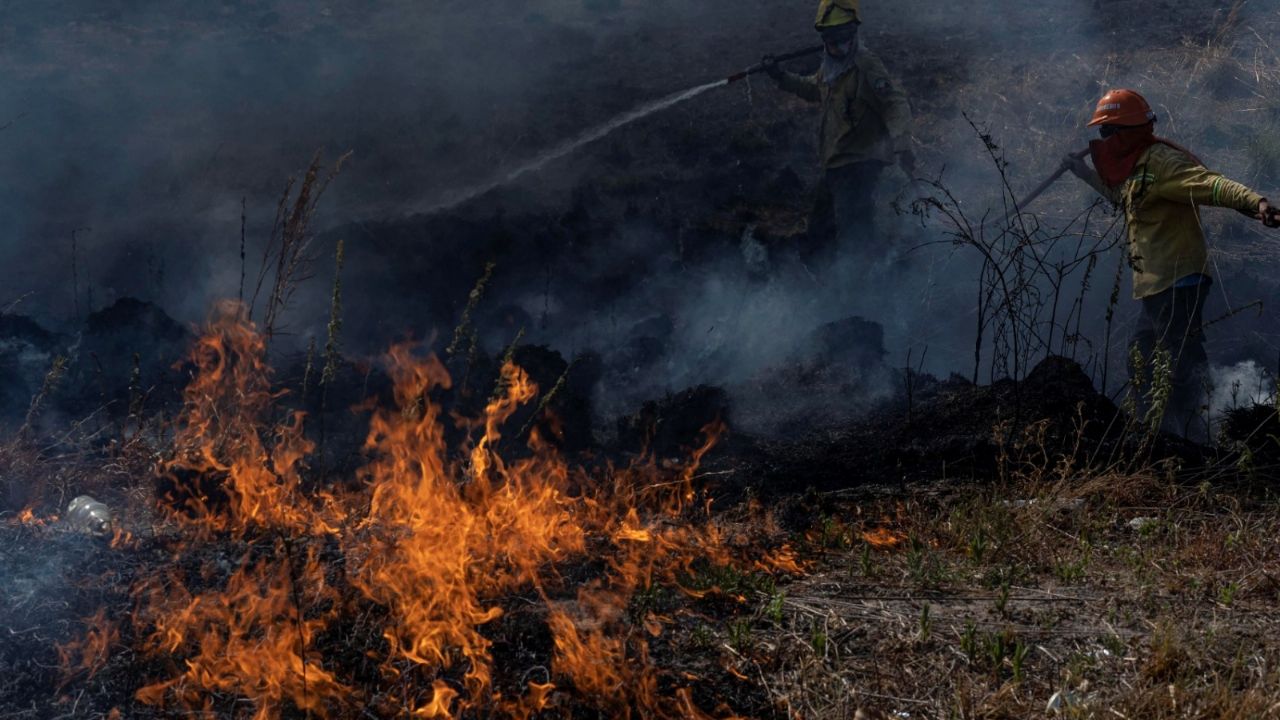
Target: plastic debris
<point>88,515</point>
<point>1066,701</point>
<point>1142,523</point>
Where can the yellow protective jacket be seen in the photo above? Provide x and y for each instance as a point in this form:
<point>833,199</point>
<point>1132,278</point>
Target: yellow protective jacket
<point>865,115</point>
<point>1161,201</point>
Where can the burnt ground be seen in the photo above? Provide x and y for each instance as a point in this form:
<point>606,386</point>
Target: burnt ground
<point>969,550</point>
<point>1028,538</point>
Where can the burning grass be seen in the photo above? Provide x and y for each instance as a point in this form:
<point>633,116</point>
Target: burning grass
<point>464,572</point>
<point>492,578</point>
<point>472,581</point>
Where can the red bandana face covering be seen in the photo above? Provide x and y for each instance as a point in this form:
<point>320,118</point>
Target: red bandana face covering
<point>1115,156</point>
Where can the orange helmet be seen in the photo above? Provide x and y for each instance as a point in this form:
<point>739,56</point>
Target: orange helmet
<point>1122,107</point>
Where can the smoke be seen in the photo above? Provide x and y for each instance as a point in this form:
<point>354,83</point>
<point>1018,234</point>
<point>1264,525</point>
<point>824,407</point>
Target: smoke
<point>1240,386</point>
<point>149,122</point>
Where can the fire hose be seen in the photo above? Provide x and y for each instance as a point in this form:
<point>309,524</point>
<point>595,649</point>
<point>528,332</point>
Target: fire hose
<point>1271,218</point>
<point>754,69</point>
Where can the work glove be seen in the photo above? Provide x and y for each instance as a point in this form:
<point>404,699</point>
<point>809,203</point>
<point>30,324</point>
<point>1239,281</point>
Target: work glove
<point>1268,215</point>
<point>1077,166</point>
<point>771,67</point>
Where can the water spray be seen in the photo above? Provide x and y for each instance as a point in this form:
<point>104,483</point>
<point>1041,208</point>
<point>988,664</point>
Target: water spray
<point>569,146</point>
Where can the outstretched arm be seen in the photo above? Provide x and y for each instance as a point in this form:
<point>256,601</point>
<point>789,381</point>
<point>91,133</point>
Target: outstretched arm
<point>1186,181</point>
<point>804,86</point>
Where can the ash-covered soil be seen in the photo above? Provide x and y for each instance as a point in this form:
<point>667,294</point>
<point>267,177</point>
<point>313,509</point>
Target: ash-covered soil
<point>990,550</point>
<point>909,522</point>
<point>1011,553</point>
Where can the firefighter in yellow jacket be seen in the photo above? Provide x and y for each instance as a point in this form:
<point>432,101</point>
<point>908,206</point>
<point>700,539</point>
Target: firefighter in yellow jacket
<point>1161,186</point>
<point>864,124</point>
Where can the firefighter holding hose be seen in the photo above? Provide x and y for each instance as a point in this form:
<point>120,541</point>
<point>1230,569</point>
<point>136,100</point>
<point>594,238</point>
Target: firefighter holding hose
<point>864,125</point>
<point>1160,187</point>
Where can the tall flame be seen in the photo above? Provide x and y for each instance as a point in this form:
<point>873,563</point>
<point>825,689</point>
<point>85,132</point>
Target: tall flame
<point>226,430</point>
<point>438,540</point>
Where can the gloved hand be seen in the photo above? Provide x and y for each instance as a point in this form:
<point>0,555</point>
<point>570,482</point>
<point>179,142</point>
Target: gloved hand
<point>771,67</point>
<point>1077,166</point>
<point>1268,215</point>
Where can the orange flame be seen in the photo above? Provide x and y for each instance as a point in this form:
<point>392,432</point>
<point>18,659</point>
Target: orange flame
<point>883,538</point>
<point>90,653</point>
<point>437,541</point>
<point>247,639</point>
<point>121,539</point>
<point>220,433</point>
<point>783,559</point>
<point>28,517</point>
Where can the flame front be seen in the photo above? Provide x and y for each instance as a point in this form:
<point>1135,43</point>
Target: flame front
<point>225,431</point>
<point>434,549</point>
<point>435,546</point>
<point>27,516</point>
<point>883,537</point>
<point>89,653</point>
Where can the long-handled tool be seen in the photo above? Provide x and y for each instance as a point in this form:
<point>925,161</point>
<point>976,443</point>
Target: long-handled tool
<point>777,59</point>
<point>1042,187</point>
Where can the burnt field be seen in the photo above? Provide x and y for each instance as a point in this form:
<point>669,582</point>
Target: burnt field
<point>470,544</point>
<point>466,420</point>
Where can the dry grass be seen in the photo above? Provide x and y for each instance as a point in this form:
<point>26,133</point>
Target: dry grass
<point>1120,594</point>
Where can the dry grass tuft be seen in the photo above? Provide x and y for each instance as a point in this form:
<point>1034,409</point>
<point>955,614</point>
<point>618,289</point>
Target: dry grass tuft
<point>1058,591</point>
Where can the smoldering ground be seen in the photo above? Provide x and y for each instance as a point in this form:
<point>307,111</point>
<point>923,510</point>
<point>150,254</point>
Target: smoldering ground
<point>673,249</point>
<point>148,124</point>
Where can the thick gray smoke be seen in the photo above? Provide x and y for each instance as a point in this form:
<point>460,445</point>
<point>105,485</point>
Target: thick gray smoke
<point>148,122</point>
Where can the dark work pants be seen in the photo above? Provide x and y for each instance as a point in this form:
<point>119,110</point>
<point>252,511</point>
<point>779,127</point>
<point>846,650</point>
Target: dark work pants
<point>844,215</point>
<point>1172,320</point>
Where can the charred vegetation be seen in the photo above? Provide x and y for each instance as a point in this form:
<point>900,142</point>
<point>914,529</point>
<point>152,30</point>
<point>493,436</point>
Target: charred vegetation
<point>632,437</point>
